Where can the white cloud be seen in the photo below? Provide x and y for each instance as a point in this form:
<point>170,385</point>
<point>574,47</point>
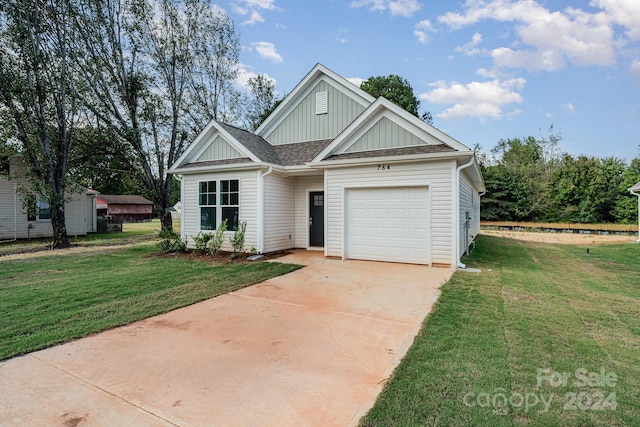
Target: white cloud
<point>253,19</point>
<point>470,49</point>
<point>623,12</point>
<point>568,107</point>
<point>267,51</point>
<point>476,99</point>
<point>421,29</point>
<point>253,8</point>
<point>404,7</point>
<point>552,37</point>
<point>356,80</point>
<point>635,69</point>
<point>244,75</point>
<point>396,7</point>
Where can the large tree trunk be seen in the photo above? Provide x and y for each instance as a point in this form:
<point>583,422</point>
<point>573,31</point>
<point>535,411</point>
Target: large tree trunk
<point>60,238</point>
<point>166,220</point>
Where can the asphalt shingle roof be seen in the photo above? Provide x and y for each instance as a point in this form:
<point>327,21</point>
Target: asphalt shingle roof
<point>119,199</point>
<point>300,153</point>
<point>401,151</point>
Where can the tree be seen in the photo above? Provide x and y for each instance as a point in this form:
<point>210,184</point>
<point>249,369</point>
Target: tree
<point>39,90</point>
<point>260,100</point>
<point>397,90</point>
<point>157,72</point>
<point>625,209</point>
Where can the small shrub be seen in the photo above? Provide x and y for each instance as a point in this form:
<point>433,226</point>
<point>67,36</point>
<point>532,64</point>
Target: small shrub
<point>215,244</point>
<point>201,242</point>
<point>237,240</point>
<point>172,243</point>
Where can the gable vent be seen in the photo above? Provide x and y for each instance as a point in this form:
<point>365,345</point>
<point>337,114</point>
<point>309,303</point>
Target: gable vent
<point>322,106</point>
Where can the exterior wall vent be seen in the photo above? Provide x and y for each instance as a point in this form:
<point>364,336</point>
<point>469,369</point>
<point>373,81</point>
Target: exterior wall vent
<point>322,105</point>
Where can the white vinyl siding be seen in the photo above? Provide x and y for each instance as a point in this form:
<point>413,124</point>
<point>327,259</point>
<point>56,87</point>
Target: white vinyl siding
<point>466,195</point>
<point>437,175</point>
<point>14,218</point>
<point>304,184</point>
<point>219,150</point>
<point>278,213</point>
<point>303,124</point>
<point>248,206</point>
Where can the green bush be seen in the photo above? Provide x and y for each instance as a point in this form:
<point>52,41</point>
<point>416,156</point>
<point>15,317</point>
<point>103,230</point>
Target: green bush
<point>237,240</point>
<point>215,244</point>
<point>201,242</point>
<point>172,243</point>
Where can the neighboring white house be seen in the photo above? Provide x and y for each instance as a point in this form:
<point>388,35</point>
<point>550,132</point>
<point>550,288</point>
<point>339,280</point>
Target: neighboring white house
<point>16,222</point>
<point>334,169</point>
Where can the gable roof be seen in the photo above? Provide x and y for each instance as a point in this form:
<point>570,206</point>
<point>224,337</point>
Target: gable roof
<point>122,199</point>
<point>369,117</point>
<point>318,72</point>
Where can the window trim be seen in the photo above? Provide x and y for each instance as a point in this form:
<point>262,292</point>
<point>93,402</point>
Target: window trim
<point>218,199</point>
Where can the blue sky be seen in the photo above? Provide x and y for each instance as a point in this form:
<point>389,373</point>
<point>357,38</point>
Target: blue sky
<point>486,70</point>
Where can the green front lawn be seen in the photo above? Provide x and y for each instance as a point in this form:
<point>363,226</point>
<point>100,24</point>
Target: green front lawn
<point>546,335</point>
<point>55,298</point>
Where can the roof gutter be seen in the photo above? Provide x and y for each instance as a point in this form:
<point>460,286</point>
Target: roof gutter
<point>446,155</point>
<point>456,213</point>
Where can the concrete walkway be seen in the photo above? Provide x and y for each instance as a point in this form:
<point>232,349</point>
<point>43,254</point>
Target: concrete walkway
<point>311,348</point>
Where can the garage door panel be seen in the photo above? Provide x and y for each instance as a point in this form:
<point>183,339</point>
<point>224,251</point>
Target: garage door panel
<point>387,224</point>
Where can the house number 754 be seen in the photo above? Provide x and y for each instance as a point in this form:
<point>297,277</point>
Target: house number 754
<point>384,167</point>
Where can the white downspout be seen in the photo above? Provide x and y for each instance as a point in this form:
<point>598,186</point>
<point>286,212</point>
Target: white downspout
<point>456,214</point>
<point>179,178</point>
<point>637,194</point>
<point>261,209</point>
<point>15,216</point>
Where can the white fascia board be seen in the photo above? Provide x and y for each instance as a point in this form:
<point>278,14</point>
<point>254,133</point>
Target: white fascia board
<point>304,88</point>
<point>207,133</point>
<point>635,188</point>
<point>385,108</point>
<point>193,145</point>
<point>329,164</point>
<point>227,167</point>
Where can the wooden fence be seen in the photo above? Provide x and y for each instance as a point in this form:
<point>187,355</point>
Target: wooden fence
<point>551,227</point>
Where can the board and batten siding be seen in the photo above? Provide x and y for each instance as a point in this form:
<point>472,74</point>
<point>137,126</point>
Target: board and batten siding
<point>304,184</point>
<point>14,220</point>
<point>303,124</point>
<point>248,207</point>
<point>219,150</point>
<point>279,210</point>
<point>466,205</point>
<point>438,175</point>
<point>386,134</point>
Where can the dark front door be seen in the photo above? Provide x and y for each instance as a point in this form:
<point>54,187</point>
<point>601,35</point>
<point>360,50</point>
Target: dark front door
<point>316,218</point>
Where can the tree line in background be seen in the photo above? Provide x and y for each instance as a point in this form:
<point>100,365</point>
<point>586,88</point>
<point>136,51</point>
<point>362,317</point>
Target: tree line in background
<point>531,179</point>
<point>108,93</point>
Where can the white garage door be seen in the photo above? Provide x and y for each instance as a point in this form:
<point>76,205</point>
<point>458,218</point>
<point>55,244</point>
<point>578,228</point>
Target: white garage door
<point>387,224</point>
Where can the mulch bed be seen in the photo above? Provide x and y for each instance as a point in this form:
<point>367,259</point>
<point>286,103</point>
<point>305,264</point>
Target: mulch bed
<point>219,258</point>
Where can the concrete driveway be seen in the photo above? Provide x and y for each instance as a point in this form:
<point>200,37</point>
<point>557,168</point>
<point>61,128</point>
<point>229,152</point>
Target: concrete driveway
<point>311,348</point>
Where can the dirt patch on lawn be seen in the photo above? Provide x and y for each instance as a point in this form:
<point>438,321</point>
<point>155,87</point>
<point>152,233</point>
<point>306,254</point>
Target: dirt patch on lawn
<point>40,252</point>
<point>562,238</point>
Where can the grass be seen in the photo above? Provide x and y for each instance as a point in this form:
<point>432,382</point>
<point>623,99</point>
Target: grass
<point>56,298</point>
<point>535,306</point>
<point>131,233</point>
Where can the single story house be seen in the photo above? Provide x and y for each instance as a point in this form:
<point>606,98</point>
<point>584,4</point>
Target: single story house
<point>128,208</point>
<point>24,215</point>
<point>335,170</point>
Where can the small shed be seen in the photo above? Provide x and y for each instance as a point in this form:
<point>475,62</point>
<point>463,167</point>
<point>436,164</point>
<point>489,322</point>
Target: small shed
<point>128,208</point>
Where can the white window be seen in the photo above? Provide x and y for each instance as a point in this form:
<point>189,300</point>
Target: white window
<point>38,209</point>
<point>219,200</point>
